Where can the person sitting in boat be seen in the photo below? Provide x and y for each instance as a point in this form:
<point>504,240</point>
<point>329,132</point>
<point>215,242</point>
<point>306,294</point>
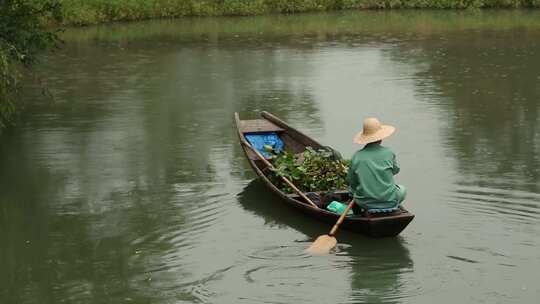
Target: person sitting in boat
<point>372,170</point>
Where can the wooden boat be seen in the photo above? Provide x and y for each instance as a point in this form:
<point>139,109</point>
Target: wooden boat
<point>375,225</point>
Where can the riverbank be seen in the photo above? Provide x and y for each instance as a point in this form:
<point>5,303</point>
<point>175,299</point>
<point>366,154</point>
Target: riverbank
<point>86,12</point>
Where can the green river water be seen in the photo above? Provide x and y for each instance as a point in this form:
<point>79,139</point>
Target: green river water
<point>131,187</point>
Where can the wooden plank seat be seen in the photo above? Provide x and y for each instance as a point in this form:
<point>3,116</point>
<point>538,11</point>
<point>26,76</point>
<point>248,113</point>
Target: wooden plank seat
<point>258,125</point>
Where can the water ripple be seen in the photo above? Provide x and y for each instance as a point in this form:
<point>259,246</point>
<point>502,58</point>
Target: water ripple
<point>273,272</point>
<point>519,206</point>
<point>280,253</point>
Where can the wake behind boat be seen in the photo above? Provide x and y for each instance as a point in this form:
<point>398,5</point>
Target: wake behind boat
<point>294,141</point>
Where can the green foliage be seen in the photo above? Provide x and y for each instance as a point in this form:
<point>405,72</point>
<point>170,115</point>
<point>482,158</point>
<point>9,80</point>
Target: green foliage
<point>23,36</point>
<point>313,170</point>
<point>82,12</point>
<point>438,4</point>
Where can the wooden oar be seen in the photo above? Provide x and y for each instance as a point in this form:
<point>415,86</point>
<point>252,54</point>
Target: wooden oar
<point>286,180</point>
<point>324,243</point>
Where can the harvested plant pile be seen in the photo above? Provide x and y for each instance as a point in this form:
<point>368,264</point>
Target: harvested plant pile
<point>312,170</point>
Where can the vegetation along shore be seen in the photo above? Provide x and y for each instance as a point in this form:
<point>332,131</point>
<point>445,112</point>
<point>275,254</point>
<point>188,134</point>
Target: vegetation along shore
<point>84,12</point>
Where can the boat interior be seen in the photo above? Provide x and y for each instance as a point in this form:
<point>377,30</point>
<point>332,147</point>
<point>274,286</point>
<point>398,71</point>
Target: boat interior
<point>293,142</point>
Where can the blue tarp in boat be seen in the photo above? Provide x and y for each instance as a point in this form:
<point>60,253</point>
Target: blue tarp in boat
<point>259,140</point>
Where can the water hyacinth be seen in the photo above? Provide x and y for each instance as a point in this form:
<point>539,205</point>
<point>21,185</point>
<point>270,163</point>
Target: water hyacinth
<point>312,170</point>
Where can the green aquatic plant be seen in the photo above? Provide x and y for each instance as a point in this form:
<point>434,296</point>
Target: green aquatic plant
<point>312,170</point>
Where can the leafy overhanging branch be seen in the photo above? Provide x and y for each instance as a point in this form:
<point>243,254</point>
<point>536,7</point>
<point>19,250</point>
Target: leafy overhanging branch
<point>24,36</point>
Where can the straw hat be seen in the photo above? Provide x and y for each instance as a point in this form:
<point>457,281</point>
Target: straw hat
<point>373,131</point>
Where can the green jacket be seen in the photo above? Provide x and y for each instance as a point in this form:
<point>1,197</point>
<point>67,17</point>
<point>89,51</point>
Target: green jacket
<point>371,177</point>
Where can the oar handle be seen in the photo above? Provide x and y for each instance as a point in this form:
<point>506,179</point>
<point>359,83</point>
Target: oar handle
<point>341,218</point>
<point>286,180</point>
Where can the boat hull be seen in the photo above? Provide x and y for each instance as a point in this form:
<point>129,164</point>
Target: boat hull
<point>385,225</point>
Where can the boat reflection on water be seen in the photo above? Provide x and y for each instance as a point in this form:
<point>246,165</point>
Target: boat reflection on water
<point>378,267</point>
<point>257,198</point>
<point>380,270</point>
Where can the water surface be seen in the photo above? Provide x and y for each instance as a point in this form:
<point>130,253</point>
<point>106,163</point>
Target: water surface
<point>131,186</point>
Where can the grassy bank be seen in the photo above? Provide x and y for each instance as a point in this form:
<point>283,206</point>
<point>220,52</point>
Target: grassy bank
<point>82,12</point>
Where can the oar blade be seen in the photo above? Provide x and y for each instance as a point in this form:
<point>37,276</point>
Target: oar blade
<point>322,245</point>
